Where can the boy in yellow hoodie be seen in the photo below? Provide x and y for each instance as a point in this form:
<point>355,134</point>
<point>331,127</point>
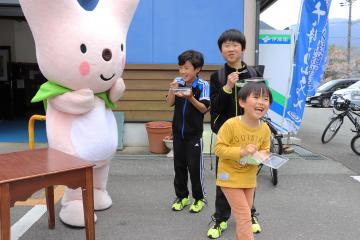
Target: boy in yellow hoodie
<point>243,136</point>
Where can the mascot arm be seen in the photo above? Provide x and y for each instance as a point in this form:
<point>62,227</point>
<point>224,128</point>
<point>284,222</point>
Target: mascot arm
<point>117,90</point>
<point>75,102</point>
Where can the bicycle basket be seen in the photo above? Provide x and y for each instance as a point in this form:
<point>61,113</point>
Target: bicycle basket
<point>341,106</point>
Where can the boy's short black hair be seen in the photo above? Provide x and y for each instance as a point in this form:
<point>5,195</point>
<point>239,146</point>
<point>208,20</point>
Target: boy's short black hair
<point>232,35</point>
<point>254,87</point>
<point>194,57</point>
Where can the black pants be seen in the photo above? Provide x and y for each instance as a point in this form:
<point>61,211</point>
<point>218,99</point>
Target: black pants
<point>188,158</point>
<point>222,207</point>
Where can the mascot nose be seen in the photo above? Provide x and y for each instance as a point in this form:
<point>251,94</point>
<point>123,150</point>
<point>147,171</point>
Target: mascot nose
<point>106,54</point>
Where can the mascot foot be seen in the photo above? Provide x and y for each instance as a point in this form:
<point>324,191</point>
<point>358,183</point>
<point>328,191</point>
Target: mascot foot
<point>72,213</point>
<point>102,200</point>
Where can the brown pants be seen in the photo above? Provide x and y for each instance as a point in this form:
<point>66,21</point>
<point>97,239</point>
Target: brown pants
<point>241,200</point>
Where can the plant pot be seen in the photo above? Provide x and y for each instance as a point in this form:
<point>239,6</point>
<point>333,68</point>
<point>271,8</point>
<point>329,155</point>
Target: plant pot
<point>156,132</point>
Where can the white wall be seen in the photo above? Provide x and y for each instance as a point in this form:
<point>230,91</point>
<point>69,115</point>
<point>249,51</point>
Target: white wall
<point>249,30</point>
<point>135,135</point>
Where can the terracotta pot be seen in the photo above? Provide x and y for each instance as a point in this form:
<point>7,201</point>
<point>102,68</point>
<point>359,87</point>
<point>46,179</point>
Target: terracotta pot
<point>156,132</point>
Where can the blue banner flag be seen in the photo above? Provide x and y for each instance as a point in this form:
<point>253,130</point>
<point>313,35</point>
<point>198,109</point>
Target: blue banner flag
<point>310,58</point>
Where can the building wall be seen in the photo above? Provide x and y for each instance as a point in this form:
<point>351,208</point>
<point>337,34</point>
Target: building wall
<point>146,89</point>
<point>24,43</point>
<point>18,36</point>
<point>161,29</point>
<point>7,35</point>
<point>250,30</point>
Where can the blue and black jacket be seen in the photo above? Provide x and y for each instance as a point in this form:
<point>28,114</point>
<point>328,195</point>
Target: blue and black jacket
<point>188,121</point>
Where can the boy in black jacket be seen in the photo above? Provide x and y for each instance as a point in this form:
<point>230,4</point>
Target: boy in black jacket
<point>190,107</point>
<point>224,86</point>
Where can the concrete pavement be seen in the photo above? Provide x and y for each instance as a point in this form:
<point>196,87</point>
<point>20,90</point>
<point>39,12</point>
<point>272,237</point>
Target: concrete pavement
<point>316,198</point>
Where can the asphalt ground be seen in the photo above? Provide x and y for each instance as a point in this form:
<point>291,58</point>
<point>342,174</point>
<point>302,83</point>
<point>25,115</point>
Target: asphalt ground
<point>316,198</point>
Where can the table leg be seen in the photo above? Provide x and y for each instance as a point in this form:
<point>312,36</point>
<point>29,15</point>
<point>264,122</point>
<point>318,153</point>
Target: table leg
<point>5,211</point>
<point>49,192</point>
<point>88,202</point>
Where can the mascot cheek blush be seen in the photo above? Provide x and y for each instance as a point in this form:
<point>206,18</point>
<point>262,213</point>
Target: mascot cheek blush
<point>80,49</point>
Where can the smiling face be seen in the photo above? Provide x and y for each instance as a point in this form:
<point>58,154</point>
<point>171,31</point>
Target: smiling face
<point>188,72</point>
<point>80,44</point>
<point>82,61</point>
<point>231,52</point>
<point>255,106</point>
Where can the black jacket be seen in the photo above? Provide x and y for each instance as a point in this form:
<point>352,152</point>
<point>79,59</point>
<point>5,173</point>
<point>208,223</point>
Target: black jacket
<point>188,121</point>
<point>224,105</point>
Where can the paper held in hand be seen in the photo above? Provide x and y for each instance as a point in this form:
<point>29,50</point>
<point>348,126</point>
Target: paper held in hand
<point>273,160</point>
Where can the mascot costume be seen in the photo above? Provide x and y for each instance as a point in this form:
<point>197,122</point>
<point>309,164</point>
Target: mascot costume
<point>80,49</point>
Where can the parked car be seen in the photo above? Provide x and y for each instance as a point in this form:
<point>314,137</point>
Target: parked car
<point>324,92</point>
<point>352,93</point>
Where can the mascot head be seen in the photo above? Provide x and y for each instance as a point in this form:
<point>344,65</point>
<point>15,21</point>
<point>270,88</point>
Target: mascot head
<point>80,43</point>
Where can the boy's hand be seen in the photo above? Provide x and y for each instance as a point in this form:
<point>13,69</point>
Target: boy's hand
<point>187,94</point>
<point>231,80</point>
<point>251,149</point>
<point>174,84</point>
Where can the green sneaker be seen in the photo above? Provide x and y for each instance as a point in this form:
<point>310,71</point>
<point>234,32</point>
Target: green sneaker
<point>197,206</point>
<point>216,230</point>
<point>255,226</point>
<point>180,203</point>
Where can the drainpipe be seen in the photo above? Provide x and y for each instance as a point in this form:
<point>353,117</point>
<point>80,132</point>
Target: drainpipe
<point>257,31</point>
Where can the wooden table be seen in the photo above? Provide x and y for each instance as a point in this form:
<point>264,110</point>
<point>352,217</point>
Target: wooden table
<point>23,173</point>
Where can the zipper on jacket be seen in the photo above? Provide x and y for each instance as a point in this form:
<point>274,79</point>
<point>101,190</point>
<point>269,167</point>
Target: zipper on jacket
<point>235,97</point>
<point>215,120</point>
<point>183,123</point>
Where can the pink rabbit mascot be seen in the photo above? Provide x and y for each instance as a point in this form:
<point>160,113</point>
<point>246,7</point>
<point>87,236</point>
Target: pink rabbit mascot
<point>80,48</point>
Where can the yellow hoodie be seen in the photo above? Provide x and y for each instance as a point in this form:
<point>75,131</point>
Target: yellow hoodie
<point>233,136</point>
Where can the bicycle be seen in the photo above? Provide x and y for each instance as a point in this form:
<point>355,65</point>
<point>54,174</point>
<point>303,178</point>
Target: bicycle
<point>345,109</point>
<point>276,146</point>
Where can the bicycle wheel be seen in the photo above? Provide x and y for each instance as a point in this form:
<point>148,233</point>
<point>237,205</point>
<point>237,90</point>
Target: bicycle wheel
<point>331,129</point>
<point>274,176</point>
<point>276,146</point>
<point>355,144</point>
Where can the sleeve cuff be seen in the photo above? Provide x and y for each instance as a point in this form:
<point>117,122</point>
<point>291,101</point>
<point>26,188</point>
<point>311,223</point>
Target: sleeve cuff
<point>226,91</point>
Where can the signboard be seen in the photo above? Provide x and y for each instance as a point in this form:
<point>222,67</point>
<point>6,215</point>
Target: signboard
<point>276,51</point>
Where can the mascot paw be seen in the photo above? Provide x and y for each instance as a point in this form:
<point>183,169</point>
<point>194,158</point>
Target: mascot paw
<point>73,214</point>
<point>102,200</point>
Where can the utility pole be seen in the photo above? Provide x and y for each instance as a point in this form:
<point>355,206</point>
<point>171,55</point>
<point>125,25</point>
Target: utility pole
<point>349,35</point>
<point>349,3</point>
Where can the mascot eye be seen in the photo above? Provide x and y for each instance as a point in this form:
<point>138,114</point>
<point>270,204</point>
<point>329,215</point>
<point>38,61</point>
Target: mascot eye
<point>83,48</point>
<point>122,47</point>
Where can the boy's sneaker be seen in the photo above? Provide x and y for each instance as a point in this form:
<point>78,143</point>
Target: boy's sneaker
<point>255,226</point>
<point>197,206</point>
<point>180,203</point>
<point>216,230</point>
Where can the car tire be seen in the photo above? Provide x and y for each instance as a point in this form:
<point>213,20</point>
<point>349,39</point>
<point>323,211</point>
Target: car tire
<point>325,102</point>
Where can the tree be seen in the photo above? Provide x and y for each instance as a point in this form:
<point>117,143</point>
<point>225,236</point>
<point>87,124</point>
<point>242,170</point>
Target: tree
<point>337,65</point>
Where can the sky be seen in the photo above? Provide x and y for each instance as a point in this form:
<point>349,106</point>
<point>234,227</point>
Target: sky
<point>284,13</point>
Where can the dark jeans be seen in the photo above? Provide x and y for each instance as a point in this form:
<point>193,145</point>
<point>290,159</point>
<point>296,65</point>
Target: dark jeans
<point>222,207</point>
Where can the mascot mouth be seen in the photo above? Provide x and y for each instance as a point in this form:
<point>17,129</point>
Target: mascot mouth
<point>105,78</point>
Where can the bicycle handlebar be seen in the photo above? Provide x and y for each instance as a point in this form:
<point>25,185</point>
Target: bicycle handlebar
<point>347,102</point>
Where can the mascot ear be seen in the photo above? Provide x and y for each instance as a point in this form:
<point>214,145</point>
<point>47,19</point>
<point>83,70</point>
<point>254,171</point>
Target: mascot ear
<point>123,10</point>
<point>38,12</point>
<point>49,12</point>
